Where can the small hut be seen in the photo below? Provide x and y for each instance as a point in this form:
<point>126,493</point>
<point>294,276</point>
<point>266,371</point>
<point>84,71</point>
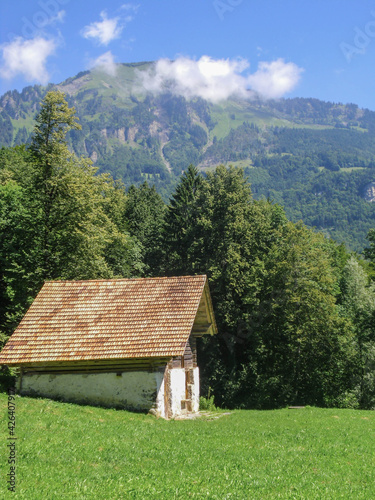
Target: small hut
<point>126,343</point>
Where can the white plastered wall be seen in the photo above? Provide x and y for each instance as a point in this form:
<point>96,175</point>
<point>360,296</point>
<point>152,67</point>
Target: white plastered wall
<point>132,390</point>
<point>178,388</point>
<point>195,391</point>
<point>159,407</point>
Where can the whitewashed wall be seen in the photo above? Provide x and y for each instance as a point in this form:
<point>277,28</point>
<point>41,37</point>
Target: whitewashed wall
<point>132,390</point>
<point>159,406</point>
<point>177,390</point>
<point>195,391</point>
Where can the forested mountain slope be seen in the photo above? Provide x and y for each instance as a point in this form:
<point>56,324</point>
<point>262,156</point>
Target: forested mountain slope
<point>315,158</point>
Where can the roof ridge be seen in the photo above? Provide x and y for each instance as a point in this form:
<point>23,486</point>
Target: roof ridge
<point>129,279</point>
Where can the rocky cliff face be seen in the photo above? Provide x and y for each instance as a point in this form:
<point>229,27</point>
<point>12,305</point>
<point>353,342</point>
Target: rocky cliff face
<point>369,192</point>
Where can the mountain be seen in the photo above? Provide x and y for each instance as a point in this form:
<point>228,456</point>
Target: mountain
<point>315,158</point>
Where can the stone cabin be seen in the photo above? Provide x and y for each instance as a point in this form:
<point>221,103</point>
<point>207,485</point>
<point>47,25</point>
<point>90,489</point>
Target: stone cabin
<point>125,343</point>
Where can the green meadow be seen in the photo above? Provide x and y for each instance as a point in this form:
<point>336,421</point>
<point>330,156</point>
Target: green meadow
<point>81,452</point>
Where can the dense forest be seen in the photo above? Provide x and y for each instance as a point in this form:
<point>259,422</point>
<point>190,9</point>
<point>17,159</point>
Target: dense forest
<point>314,158</point>
<point>295,310</point>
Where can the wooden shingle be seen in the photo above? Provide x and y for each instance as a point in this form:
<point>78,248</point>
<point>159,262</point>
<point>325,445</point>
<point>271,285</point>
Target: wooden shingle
<point>110,319</point>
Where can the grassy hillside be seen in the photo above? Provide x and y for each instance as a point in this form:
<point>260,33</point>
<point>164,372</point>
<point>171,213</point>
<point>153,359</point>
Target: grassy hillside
<point>70,451</point>
<point>315,158</point>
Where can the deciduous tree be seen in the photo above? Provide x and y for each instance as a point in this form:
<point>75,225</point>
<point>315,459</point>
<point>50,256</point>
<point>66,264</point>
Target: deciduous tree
<point>58,219</point>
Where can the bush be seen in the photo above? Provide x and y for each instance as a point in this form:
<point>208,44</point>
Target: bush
<point>207,403</point>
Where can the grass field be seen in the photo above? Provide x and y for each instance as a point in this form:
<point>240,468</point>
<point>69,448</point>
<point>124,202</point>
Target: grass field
<point>81,452</point>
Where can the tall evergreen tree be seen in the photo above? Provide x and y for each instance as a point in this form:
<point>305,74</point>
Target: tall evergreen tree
<point>180,222</point>
<point>78,237</point>
<point>144,216</point>
<point>273,284</point>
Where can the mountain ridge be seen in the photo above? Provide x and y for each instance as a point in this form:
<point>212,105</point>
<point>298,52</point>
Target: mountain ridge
<point>308,155</point>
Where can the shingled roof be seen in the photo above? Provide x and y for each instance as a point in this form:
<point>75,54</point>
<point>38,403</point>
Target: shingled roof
<point>111,319</point>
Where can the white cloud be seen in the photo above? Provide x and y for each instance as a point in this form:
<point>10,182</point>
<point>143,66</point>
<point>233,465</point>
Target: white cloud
<point>208,78</point>
<point>27,58</point>
<point>103,31</point>
<point>275,79</point>
<point>106,63</point>
<point>218,79</point>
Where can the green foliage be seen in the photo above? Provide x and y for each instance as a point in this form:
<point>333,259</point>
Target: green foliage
<point>358,303</point>
<point>369,252</point>
<point>305,351</point>
<point>52,123</point>
<point>8,376</point>
<point>132,166</point>
<point>6,130</point>
<point>70,200</point>
<point>207,404</point>
<point>180,220</point>
<point>19,270</point>
<point>144,217</point>
<point>180,152</point>
<point>58,220</point>
<point>274,285</point>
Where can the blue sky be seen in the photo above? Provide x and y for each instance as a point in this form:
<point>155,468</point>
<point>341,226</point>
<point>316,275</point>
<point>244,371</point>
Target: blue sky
<point>292,48</point>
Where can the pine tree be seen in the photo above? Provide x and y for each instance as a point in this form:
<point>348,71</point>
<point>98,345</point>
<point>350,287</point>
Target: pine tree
<point>144,216</point>
<point>273,283</point>
<point>180,222</point>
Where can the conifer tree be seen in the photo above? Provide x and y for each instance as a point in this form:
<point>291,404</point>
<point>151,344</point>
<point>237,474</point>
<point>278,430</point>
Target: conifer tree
<point>273,284</point>
<point>144,216</point>
<point>180,224</point>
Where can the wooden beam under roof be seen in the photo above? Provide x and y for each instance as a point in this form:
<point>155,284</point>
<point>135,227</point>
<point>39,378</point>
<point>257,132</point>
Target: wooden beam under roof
<point>201,328</point>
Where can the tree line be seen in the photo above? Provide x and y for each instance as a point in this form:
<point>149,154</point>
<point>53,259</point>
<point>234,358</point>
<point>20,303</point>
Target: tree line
<point>295,310</point>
